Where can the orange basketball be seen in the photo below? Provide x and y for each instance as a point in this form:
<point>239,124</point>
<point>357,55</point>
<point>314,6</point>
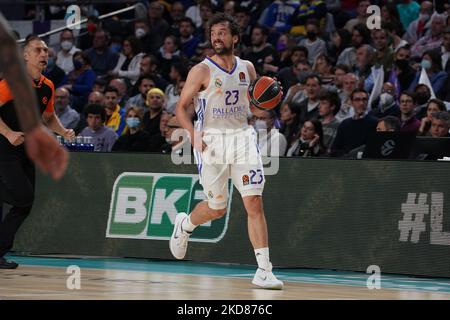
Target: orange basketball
<point>264,93</point>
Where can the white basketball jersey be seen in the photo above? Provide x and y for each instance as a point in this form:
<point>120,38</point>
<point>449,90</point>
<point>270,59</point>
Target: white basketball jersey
<point>224,103</point>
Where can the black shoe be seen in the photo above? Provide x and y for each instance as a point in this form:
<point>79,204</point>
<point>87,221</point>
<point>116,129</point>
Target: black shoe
<point>7,264</point>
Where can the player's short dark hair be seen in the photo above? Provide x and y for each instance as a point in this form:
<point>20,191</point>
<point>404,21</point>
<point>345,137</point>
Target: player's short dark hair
<point>391,123</point>
<point>95,109</point>
<point>358,90</point>
<point>220,17</point>
<point>111,89</point>
<point>332,98</point>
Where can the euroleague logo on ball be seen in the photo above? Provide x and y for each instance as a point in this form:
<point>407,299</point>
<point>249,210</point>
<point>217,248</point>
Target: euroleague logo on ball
<point>264,93</point>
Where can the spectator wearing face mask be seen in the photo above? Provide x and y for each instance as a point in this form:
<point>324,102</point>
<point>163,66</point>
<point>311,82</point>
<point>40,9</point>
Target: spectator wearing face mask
<point>402,68</point>
<point>313,42</point>
<point>53,72</point>
<point>386,104</point>
<point>271,142</point>
<point>80,80</point>
<point>296,92</point>
<point>432,63</point>
<point>288,76</point>
<point>65,55</point>
<point>134,139</point>
<point>422,95</point>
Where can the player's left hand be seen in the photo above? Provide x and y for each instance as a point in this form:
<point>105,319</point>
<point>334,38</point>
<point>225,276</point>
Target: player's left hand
<point>68,134</point>
<point>45,151</point>
<point>279,83</point>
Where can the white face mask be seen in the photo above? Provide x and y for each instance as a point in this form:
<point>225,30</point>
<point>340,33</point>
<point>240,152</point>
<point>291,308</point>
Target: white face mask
<point>66,45</point>
<point>386,99</point>
<point>260,125</point>
<point>140,33</point>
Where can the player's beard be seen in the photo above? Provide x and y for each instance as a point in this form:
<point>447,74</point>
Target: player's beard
<point>224,50</point>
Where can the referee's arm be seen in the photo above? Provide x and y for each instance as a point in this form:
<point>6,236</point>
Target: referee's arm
<point>13,70</point>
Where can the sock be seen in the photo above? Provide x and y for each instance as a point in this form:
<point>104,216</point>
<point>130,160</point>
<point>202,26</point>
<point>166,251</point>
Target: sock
<point>187,225</point>
<point>262,257</point>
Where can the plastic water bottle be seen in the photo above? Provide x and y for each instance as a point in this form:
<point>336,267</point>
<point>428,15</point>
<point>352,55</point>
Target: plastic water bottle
<point>79,143</point>
<point>73,145</point>
<point>60,140</point>
<point>88,144</point>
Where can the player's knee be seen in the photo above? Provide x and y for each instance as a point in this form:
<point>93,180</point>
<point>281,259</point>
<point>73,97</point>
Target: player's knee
<point>253,205</point>
<point>217,213</point>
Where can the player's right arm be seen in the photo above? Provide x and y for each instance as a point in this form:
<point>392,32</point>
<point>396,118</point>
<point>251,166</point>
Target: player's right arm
<point>196,81</point>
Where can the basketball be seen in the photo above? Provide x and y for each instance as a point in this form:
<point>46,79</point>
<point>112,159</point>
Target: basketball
<point>264,93</point>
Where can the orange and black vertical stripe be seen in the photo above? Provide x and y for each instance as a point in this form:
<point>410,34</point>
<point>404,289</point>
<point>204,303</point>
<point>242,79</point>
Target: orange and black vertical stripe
<point>45,92</point>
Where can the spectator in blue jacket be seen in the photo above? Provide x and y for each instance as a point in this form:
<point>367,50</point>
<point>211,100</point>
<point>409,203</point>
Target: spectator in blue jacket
<point>80,80</point>
<point>189,42</point>
<point>103,59</point>
<point>276,18</point>
<point>432,63</point>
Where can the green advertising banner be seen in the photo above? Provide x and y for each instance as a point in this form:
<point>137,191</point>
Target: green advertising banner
<point>321,213</point>
<point>144,206</point>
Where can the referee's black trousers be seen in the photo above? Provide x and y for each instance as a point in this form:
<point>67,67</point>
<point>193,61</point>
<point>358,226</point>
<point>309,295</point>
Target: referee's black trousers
<point>17,178</point>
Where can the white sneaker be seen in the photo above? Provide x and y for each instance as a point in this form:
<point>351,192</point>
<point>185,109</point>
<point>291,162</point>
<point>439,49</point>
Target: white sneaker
<point>266,280</point>
<point>180,238</point>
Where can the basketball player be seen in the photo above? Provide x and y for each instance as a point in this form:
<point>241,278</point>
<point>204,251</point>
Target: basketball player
<point>218,86</point>
<point>17,173</point>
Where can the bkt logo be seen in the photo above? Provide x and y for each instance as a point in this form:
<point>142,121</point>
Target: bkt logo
<point>144,206</point>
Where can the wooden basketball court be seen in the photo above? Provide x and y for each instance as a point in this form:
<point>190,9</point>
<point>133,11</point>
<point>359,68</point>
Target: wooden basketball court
<point>102,278</point>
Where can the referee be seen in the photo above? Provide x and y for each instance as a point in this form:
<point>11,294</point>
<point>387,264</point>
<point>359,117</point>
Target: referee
<point>17,171</point>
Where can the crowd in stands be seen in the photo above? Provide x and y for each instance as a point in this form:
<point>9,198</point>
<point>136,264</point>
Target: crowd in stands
<point>120,80</point>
